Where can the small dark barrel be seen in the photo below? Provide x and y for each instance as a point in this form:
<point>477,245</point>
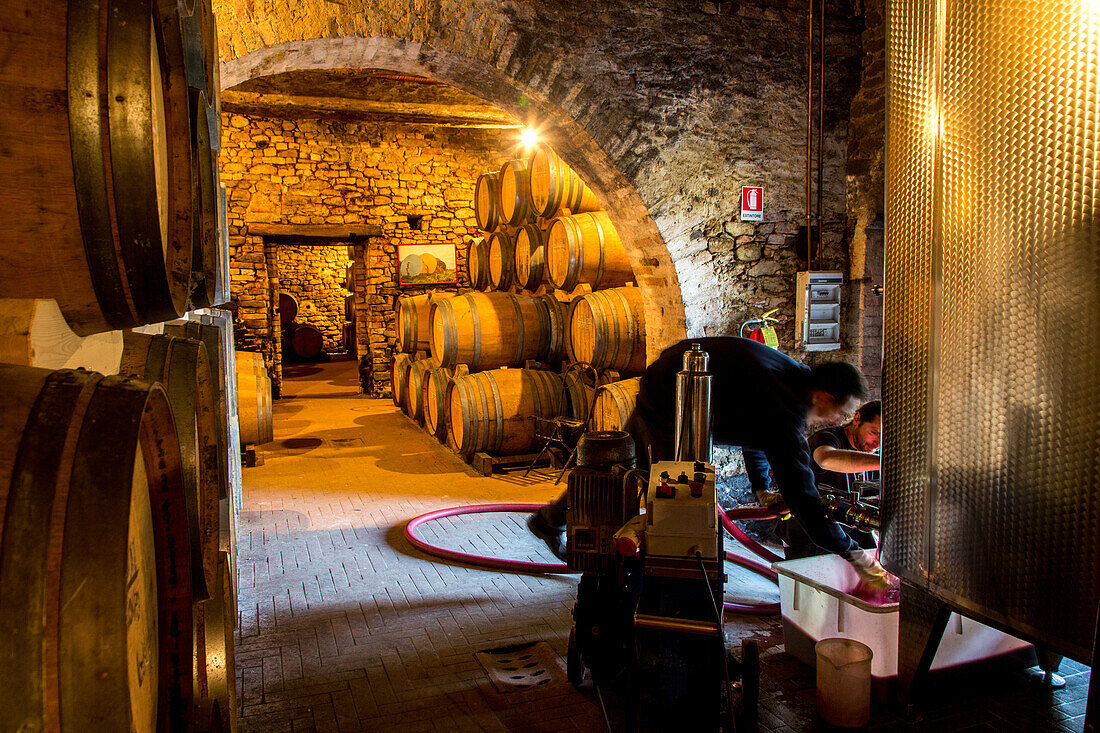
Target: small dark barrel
<point>514,193</point>
<point>90,566</point>
<point>489,330</point>
<point>530,257</point>
<point>585,248</point>
<point>477,263</point>
<point>414,390</point>
<point>400,378</point>
<point>607,330</point>
<point>501,252</point>
<point>485,202</point>
<point>288,309</point>
<point>613,404</point>
<point>108,186</point>
<point>307,342</point>
<point>491,412</point>
<point>554,185</point>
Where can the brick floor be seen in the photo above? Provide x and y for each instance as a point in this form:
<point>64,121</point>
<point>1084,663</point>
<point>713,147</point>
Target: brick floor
<point>346,627</point>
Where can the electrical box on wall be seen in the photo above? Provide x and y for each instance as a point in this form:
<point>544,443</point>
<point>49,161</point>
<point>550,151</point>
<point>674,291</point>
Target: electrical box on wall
<point>817,310</point>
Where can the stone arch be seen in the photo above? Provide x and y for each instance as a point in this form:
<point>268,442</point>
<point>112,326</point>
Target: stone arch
<point>653,266</point>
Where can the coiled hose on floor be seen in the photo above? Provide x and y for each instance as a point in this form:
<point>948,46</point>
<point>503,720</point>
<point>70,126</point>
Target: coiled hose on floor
<point>524,566</point>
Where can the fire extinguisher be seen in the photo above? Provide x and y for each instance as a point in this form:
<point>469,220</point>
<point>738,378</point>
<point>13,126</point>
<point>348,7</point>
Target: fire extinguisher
<point>764,331</point>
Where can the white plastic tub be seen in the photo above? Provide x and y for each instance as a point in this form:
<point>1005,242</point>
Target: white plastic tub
<point>814,608</point>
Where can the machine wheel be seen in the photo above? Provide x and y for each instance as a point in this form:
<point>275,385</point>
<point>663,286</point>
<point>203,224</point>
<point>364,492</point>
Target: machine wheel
<point>574,665</point>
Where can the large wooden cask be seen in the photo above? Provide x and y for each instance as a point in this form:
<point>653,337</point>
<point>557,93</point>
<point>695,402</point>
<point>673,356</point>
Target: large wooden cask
<point>95,586</point>
<point>501,254</point>
<point>492,412</point>
<point>489,330</point>
<point>557,322</point>
<point>96,158</point>
<point>486,210</point>
<point>437,383</point>
<point>414,390</point>
<point>585,248</point>
<point>181,366</point>
<point>288,308</point>
<point>529,257</point>
<point>477,263</point>
<point>306,342</point>
<point>254,399</point>
<point>613,404</point>
<point>514,193</point>
<point>607,330</point>
<point>555,186</point>
<point>399,378</point>
<point>414,321</point>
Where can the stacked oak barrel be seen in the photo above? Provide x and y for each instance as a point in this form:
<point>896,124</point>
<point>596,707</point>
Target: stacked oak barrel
<point>117,471</point>
<point>552,321</point>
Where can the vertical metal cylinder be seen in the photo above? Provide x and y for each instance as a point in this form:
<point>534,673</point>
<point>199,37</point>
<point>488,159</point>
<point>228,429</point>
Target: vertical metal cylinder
<point>693,438</point>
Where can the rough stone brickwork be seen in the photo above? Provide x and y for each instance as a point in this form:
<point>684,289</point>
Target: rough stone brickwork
<point>315,275</point>
<point>309,171</point>
<point>866,198</point>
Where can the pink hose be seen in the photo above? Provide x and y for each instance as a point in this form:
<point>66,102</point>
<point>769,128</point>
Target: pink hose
<point>499,563</point>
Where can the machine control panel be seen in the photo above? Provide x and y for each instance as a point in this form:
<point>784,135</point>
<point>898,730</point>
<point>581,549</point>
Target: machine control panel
<point>682,511</point>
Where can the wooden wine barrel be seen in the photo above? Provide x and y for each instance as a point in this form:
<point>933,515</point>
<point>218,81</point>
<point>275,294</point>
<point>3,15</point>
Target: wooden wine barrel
<point>205,253</point>
<point>201,48</point>
<point>288,309</point>
<point>514,193</point>
<point>485,202</point>
<point>95,594</point>
<point>400,378</point>
<point>585,248</point>
<point>306,342</point>
<point>501,254</point>
<point>414,321</point>
<point>215,673</point>
<point>254,399</point>
<point>477,263</point>
<point>97,183</point>
<point>580,389</point>
<point>607,330</point>
<point>529,257</point>
<point>414,390</point>
<point>613,404</point>
<point>557,315</point>
<point>489,330</point>
<point>555,186</point>
<point>181,366</point>
<point>437,382</point>
<point>491,412</point>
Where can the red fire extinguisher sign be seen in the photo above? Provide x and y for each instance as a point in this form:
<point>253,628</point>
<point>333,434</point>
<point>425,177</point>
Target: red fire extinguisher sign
<point>752,203</point>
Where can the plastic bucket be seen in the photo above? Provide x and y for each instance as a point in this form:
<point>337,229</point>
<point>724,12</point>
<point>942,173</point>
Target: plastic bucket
<point>844,682</point>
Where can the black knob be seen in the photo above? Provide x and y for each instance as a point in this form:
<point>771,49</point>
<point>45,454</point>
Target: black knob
<point>700,466</point>
<point>682,478</point>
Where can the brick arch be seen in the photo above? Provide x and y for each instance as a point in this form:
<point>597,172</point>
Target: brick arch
<point>653,266</point>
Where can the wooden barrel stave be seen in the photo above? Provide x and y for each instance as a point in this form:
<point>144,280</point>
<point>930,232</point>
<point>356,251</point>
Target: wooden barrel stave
<point>254,399</point>
<point>492,411</point>
<point>585,248</point>
<point>414,390</point>
<point>205,254</point>
<point>87,460</point>
<point>613,404</point>
<point>489,330</point>
<point>437,382</point>
<point>501,265</point>
<point>486,210</point>
<point>214,664</point>
<point>513,193</point>
<point>400,378</point>
<point>554,185</point>
<point>607,330</point>
<point>477,263</point>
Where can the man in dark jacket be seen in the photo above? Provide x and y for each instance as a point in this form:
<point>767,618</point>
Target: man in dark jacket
<point>764,402</point>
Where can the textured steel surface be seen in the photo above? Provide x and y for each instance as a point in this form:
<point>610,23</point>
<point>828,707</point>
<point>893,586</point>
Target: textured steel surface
<point>991,382</point>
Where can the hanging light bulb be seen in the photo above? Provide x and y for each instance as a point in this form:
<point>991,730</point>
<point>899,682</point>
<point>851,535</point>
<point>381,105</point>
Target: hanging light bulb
<point>529,138</point>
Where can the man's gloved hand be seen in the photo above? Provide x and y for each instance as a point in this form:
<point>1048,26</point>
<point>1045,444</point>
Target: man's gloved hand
<point>871,573</point>
<point>771,500</point>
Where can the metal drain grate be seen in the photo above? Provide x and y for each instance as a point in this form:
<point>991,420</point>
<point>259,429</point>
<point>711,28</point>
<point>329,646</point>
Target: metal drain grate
<point>522,666</point>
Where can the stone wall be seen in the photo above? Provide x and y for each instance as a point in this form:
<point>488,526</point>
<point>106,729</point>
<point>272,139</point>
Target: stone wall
<point>316,275</point>
<point>310,171</point>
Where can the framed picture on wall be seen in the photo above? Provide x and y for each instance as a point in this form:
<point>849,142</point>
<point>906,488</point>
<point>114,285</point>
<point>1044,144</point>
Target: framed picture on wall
<point>426,264</point>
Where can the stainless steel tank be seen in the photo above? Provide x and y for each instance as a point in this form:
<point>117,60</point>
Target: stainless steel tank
<point>693,437</point>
